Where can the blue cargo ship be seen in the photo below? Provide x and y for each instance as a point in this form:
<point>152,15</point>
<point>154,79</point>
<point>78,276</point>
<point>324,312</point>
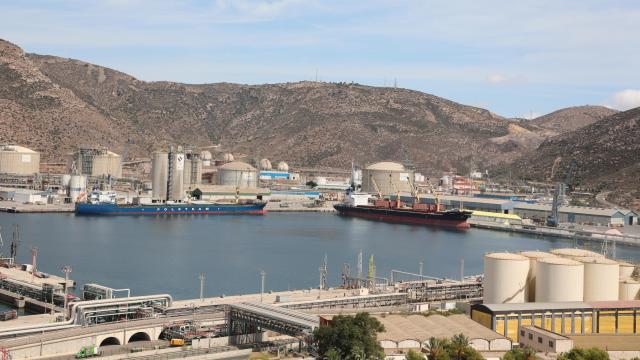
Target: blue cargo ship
<point>256,208</point>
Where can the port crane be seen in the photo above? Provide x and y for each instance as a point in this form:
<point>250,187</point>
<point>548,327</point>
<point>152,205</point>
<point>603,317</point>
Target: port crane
<point>375,185</point>
<point>553,220</point>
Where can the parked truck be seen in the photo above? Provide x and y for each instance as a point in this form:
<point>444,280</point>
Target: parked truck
<point>87,352</point>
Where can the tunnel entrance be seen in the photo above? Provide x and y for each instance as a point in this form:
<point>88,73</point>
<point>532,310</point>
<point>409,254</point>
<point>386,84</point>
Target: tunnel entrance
<point>140,336</point>
<point>110,341</point>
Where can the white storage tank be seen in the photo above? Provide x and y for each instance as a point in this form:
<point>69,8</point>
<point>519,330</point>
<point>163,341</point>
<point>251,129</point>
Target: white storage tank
<point>265,164</point>
<point>573,253</point>
<point>559,279</point>
<point>601,277</point>
<point>283,166</point>
<point>159,171</point>
<point>505,278</point>
<point>533,256</point>
<point>227,158</point>
<point>629,290</point>
<point>65,180</point>
<point>237,173</point>
<point>77,187</point>
<point>626,270</point>
<point>206,158</point>
<point>19,160</point>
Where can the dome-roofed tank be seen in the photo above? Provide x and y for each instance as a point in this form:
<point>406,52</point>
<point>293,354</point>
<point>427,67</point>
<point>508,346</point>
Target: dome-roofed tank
<point>238,173</point>
<point>629,290</point>
<point>601,277</point>
<point>386,177</point>
<point>573,253</point>
<point>265,164</point>
<point>533,256</point>
<point>228,157</point>
<point>505,278</point>
<point>19,160</point>
<point>206,157</point>
<point>559,279</point>
<point>283,166</point>
<point>626,270</point>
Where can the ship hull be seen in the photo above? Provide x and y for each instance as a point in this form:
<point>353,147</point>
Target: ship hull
<point>449,219</point>
<point>170,209</point>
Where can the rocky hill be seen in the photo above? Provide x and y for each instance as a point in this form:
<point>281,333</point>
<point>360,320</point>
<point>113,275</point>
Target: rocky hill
<point>571,118</point>
<point>607,155</point>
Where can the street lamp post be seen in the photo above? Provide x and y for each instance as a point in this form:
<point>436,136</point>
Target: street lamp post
<point>66,270</point>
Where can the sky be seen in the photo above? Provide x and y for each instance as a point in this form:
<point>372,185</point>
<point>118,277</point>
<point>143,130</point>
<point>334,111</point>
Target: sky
<point>515,58</point>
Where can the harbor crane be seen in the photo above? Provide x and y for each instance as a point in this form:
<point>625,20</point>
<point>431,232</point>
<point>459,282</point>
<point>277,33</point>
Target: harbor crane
<point>553,220</point>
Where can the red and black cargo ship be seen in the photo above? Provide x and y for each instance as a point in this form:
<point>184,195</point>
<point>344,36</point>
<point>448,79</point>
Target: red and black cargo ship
<point>415,214</point>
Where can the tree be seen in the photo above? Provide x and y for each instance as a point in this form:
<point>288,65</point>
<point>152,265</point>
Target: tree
<point>520,353</point>
<point>436,349</point>
<point>585,354</point>
<point>350,337</point>
<point>459,343</point>
<point>332,354</point>
<point>414,355</point>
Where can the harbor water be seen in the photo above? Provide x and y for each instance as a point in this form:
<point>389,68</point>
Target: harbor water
<point>161,254</point>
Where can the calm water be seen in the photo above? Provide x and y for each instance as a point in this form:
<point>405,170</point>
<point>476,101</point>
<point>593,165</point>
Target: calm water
<point>166,254</point>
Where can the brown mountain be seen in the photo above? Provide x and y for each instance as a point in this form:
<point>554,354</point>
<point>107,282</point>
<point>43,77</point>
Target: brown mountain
<point>607,155</point>
<point>54,104</point>
<point>571,118</point>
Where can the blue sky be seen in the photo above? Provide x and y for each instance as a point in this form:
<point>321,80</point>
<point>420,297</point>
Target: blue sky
<point>516,58</point>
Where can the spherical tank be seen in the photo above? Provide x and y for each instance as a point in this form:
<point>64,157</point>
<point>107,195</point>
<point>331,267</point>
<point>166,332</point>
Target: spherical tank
<point>237,173</point>
<point>559,279</point>
<point>265,164</point>
<point>626,270</point>
<point>533,256</point>
<point>283,166</point>
<point>572,253</point>
<point>629,290</point>
<point>159,168</point>
<point>505,278</point>
<point>601,278</point>
<point>228,157</point>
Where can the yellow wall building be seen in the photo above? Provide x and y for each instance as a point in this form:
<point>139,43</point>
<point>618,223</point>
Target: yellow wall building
<point>567,318</point>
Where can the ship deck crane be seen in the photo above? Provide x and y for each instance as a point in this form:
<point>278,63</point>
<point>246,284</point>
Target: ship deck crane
<point>558,195</point>
<point>397,191</point>
<point>375,185</point>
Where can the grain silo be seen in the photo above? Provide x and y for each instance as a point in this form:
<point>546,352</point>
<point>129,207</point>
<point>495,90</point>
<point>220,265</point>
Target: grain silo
<point>576,254</point>
<point>283,166</point>
<point>626,270</point>
<point>533,256</point>
<point>192,174</point>
<point>600,279</point>
<point>237,173</point>
<point>629,290</point>
<point>386,178</point>
<point>505,278</point>
<point>159,168</point>
<point>265,164</point>
<point>19,160</point>
<point>559,279</point>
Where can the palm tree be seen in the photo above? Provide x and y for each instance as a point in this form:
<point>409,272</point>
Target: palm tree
<point>435,347</point>
<point>529,353</point>
<point>459,344</point>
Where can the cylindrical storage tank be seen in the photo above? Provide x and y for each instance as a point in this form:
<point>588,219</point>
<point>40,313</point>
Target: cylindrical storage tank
<point>19,160</point>
<point>533,256</point>
<point>159,168</point>
<point>228,157</point>
<point>65,180</point>
<point>559,279</point>
<point>283,166</point>
<point>107,163</point>
<point>77,185</point>
<point>237,173</point>
<point>601,277</point>
<point>206,158</point>
<point>505,278</point>
<point>177,178</point>
<point>626,270</point>
<point>629,290</point>
<point>265,164</point>
<point>387,178</point>
<point>575,254</point>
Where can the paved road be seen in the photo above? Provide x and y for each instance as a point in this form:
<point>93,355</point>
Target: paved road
<point>601,198</point>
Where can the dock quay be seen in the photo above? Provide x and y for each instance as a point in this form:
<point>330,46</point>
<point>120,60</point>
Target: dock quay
<point>14,207</point>
<point>567,233</point>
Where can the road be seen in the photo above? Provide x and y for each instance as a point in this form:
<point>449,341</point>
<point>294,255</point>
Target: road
<point>601,198</point>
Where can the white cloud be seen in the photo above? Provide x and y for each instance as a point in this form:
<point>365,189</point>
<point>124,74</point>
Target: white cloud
<point>497,79</point>
<point>625,99</point>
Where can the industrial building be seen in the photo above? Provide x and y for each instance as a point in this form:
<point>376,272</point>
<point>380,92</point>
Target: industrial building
<point>404,333</point>
<point>174,172</point>
<point>96,162</point>
<point>578,215</point>
<point>18,160</point>
<point>239,174</point>
<point>387,178</point>
<point>447,202</point>
<point>229,193</point>
<point>599,317</point>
